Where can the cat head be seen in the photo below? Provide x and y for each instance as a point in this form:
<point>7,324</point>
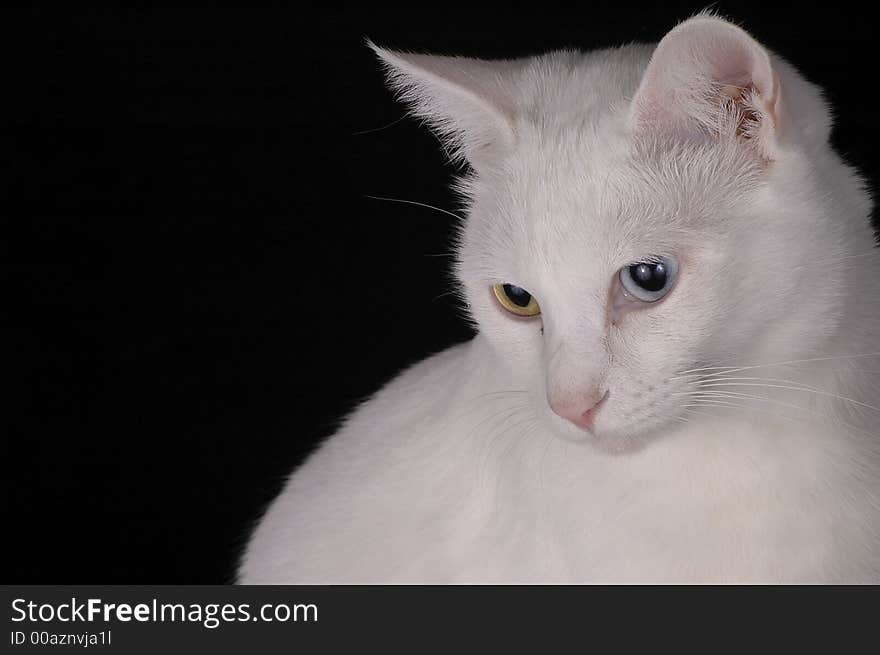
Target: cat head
<point>637,213</point>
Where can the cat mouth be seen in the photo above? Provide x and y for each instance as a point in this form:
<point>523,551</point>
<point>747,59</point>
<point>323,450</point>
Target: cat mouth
<point>614,434</point>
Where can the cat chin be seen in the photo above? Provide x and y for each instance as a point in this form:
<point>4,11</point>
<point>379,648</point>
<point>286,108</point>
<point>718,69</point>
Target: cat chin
<point>621,443</point>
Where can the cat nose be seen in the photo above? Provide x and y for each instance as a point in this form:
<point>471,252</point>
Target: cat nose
<point>581,411</point>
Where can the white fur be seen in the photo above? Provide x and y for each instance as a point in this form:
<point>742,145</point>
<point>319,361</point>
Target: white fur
<point>458,471</point>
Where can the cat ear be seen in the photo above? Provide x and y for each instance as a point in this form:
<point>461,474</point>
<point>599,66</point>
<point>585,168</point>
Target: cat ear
<point>469,103</point>
<point>711,74</point>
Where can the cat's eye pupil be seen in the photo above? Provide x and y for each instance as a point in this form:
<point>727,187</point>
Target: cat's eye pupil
<point>518,296</point>
<point>649,276</point>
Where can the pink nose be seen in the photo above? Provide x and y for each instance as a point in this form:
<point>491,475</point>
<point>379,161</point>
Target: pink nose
<point>582,412</point>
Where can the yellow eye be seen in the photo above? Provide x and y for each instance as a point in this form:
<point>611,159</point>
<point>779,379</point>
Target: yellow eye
<point>516,300</point>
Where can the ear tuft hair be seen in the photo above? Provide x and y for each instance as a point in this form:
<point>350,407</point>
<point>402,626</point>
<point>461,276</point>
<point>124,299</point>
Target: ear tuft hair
<point>468,103</point>
<point>711,74</point>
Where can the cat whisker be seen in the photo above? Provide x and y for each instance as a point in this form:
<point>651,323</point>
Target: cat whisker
<point>497,421</point>
<point>721,377</point>
<point>776,414</point>
<point>844,370</point>
<point>501,428</point>
<point>696,412</point>
<point>418,204</point>
<point>791,388</point>
<point>714,396</point>
<point>444,295</point>
<point>734,369</point>
<point>729,404</point>
<point>872,253</point>
<point>528,422</point>
<point>723,404</point>
<point>502,392</point>
<point>475,403</point>
<point>378,129</point>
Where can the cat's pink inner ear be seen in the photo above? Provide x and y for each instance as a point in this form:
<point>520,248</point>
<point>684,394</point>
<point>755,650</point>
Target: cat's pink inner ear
<point>710,75</point>
<point>469,103</point>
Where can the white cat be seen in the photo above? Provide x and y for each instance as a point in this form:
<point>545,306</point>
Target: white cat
<point>677,370</point>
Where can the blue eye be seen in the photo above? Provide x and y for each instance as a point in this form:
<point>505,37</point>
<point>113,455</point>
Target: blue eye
<point>649,280</point>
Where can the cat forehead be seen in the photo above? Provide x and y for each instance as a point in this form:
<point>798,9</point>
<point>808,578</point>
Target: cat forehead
<point>569,88</point>
<point>599,181</point>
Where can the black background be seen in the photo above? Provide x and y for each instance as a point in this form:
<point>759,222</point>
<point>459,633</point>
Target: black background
<point>207,287</point>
